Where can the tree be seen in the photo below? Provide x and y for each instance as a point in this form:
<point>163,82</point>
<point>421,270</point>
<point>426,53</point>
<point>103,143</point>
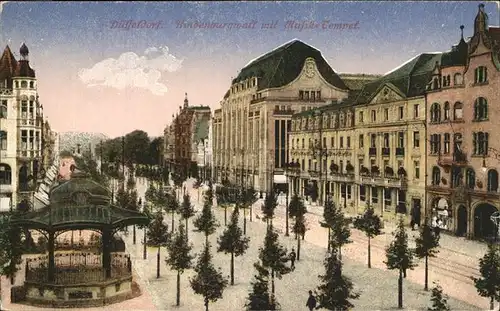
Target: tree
<point>338,226</point>
<point>488,285</point>
<point>206,221</point>
<point>122,197</point>
<point>172,206</point>
<point>232,241</point>
<point>371,225</point>
<point>187,211</point>
<point>136,143</point>
<point>153,151</point>
<point>439,300</point>
<point>259,298</point>
<point>336,290</point>
<point>151,194</point>
<point>208,282</point>
<point>268,208</point>
<point>157,236</point>
<point>426,242</point>
<point>274,256</point>
<point>11,247</point>
<point>400,257</point>
<point>132,201</point>
<point>298,210</point>
<point>179,257</point>
<point>222,195</point>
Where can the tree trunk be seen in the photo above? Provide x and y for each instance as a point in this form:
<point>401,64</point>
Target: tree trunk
<point>369,253</point>
<point>206,304</point>
<point>400,289</point>
<point>206,238</point>
<point>245,221</point>
<point>329,238</point>
<point>492,303</point>
<point>298,249</point>
<point>178,301</point>
<point>250,212</point>
<point>187,238</point>
<point>272,282</point>
<point>340,253</point>
<point>426,282</point>
<point>173,223</point>
<point>133,235</point>
<point>225,215</point>
<point>232,268</point>
<point>158,263</point>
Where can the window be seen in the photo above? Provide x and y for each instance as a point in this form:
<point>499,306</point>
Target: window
<point>348,142</point>
<point>5,174</point>
<point>3,140</point>
<point>306,95</point>
<point>362,192</point>
<point>24,109</point>
<point>480,109</point>
<point>401,113</point>
<point>361,116</point>
<point>416,166</point>
<point>416,139</point>
<point>446,111</point>
<point>435,113</point>
<point>373,141</point>
<point>436,176</point>
<point>457,111</point>
<point>386,114</point>
<point>24,140</point>
<point>324,142</point>
<point>360,164</point>
<point>332,142</point>
<point>374,116</point>
<point>386,140</point>
<point>37,139</point>
<point>481,75</point>
<point>387,196</point>
<point>361,141</point>
<point>303,166</point>
<point>16,84</point>
<point>24,84</point>
<point>318,95</point>
<point>374,192</point>
<point>435,143</point>
<point>309,166</point>
<point>415,111</point>
<point>349,192</point>
<point>470,178</point>
<point>456,176</point>
<point>447,143</point>
<point>480,143</point>
<point>303,143</point>
<point>457,79</point>
<point>32,85</point>
<point>492,180</point>
<point>341,142</point>
<point>3,109</point>
<point>401,139</point>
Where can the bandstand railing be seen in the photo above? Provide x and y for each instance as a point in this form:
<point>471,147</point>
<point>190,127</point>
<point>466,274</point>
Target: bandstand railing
<point>77,268</point>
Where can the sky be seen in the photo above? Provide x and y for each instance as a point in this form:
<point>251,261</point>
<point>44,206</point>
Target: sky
<point>113,67</point>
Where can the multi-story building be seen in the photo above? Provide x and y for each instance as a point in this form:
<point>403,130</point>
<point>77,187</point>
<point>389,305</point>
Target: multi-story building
<point>49,152</point>
<point>21,122</point>
<point>250,130</point>
<point>189,127</point>
<point>463,159</point>
<point>204,149</point>
<point>168,145</point>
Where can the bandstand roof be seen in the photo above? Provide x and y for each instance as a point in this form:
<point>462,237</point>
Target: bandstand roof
<point>79,203</point>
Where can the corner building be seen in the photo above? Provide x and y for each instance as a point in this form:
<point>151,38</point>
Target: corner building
<point>462,121</point>
<point>251,129</point>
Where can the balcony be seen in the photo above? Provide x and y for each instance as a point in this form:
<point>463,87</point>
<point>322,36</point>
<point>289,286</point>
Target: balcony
<point>400,152</point>
<point>287,112</point>
<point>6,188</point>
<point>394,182</point>
<point>457,159</point>
<point>386,151</point>
<point>314,173</point>
<point>28,154</point>
<point>340,177</point>
<point>372,180</point>
<point>27,122</point>
<point>372,151</point>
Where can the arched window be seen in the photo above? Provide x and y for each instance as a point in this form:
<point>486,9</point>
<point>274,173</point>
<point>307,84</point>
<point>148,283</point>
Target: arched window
<point>32,85</point>
<point>5,174</point>
<point>470,178</point>
<point>480,143</point>
<point>17,84</point>
<point>446,111</point>
<point>448,80</point>
<point>457,79</point>
<point>436,176</point>
<point>3,140</point>
<point>435,84</point>
<point>435,112</point>
<point>3,109</point>
<point>480,109</point>
<point>492,180</point>
<point>481,74</point>
<point>24,84</point>
<point>458,111</point>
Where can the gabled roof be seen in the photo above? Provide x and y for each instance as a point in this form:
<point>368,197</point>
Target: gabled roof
<point>8,64</point>
<point>282,65</point>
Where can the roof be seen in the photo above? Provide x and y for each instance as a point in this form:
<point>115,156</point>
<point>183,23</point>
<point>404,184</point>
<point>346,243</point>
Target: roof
<point>282,65</point>
<point>8,64</point>
<point>202,128</point>
<point>199,107</point>
<point>346,103</point>
<point>410,78</point>
<point>79,203</point>
<point>357,81</point>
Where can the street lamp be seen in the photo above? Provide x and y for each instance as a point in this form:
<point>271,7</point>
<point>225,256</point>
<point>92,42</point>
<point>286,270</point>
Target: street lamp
<point>287,165</point>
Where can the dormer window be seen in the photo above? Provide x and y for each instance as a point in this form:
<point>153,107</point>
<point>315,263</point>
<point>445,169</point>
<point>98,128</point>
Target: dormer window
<point>480,75</point>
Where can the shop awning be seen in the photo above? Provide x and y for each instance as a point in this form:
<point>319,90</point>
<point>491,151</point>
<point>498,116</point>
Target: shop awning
<point>279,179</point>
<point>4,204</point>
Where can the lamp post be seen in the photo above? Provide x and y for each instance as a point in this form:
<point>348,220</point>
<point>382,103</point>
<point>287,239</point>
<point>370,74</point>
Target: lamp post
<point>287,166</point>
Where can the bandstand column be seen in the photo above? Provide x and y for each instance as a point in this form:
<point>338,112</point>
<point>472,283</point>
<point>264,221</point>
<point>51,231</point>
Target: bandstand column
<point>106,251</point>
<point>52,264</point>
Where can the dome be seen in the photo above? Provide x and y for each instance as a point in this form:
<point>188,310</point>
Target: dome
<point>24,50</point>
<point>80,189</point>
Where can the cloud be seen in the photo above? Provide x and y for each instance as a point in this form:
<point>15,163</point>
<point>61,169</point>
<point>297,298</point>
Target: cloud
<point>132,70</point>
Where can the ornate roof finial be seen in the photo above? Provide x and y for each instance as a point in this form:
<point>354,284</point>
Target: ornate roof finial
<point>23,50</point>
<point>186,102</point>
<point>462,32</point>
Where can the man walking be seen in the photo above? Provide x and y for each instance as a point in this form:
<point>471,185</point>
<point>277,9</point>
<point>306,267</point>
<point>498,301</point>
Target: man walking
<point>293,256</point>
<point>311,301</point>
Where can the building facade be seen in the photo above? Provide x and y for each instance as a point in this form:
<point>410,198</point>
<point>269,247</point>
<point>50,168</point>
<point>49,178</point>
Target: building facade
<point>250,130</point>
<point>463,160</point>
<point>189,126</point>
<point>21,126</point>
<point>204,151</point>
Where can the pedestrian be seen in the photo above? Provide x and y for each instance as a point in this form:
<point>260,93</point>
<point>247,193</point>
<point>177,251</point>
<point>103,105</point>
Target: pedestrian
<point>311,301</point>
<point>293,256</point>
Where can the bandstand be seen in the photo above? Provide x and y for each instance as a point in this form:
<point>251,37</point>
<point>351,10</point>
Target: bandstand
<point>92,273</point>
